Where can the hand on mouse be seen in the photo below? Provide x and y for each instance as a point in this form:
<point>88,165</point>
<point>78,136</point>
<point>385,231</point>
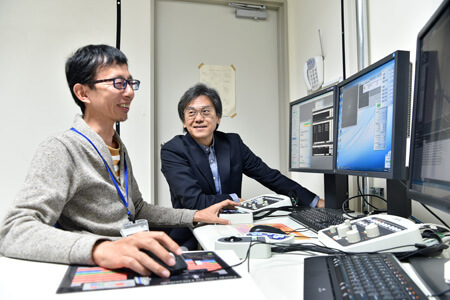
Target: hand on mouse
<point>126,253</point>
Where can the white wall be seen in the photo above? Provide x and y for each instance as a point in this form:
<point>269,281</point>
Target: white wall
<point>305,18</point>
<point>36,37</point>
<point>392,25</point>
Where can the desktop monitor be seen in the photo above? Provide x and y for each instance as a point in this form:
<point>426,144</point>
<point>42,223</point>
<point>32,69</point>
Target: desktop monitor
<point>311,132</point>
<point>372,119</point>
<point>429,164</point>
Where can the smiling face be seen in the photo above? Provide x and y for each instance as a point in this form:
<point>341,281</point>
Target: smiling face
<point>105,104</point>
<point>201,127</point>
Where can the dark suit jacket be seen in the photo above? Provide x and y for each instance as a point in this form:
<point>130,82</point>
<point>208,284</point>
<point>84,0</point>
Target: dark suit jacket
<point>187,171</point>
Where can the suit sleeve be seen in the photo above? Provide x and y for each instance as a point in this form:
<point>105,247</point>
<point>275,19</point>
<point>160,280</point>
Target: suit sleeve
<point>255,168</point>
<point>186,191</point>
<point>158,216</point>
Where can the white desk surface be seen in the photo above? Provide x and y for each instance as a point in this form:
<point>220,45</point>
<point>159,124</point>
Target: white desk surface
<point>280,276</point>
<point>20,279</point>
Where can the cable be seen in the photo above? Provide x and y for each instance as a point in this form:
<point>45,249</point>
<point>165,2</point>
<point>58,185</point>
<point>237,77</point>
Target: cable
<point>436,216</point>
<point>247,257</point>
<point>306,247</point>
<point>422,251</point>
<point>343,39</point>
<point>440,293</point>
<point>268,211</point>
<point>118,30</point>
<point>361,195</point>
<point>364,195</point>
<point>427,208</point>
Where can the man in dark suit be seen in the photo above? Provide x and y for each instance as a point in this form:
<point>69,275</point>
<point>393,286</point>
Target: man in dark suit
<point>205,166</point>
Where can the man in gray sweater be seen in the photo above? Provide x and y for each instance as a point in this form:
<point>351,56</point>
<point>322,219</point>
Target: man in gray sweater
<point>80,189</point>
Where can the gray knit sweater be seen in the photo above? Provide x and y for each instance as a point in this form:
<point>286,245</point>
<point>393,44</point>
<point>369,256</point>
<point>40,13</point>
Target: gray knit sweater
<point>68,184</point>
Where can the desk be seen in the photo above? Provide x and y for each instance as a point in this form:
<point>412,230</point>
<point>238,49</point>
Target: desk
<point>280,276</point>
<point>20,279</point>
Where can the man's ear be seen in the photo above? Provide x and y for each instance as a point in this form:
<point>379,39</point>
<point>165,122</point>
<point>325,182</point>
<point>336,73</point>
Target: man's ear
<point>81,91</point>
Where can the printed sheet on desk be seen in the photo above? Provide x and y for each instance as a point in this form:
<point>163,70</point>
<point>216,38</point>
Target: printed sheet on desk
<point>202,266</point>
<point>243,229</point>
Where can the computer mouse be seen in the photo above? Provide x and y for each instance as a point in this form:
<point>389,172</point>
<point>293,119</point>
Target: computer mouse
<point>178,268</point>
<point>266,228</point>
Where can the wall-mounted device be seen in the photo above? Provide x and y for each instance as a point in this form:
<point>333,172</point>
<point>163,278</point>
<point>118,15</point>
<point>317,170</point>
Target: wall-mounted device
<point>250,11</point>
<point>313,71</point>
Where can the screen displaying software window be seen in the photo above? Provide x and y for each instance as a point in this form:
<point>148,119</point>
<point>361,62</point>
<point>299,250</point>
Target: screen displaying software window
<point>365,121</point>
<point>430,137</point>
<point>312,133</point>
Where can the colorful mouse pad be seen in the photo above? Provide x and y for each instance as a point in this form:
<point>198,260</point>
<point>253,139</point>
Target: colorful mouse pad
<point>202,266</point>
<point>245,228</point>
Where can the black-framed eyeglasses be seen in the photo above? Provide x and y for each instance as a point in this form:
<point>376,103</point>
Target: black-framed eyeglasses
<point>120,83</point>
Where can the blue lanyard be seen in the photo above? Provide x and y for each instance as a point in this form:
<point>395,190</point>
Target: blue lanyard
<point>125,201</point>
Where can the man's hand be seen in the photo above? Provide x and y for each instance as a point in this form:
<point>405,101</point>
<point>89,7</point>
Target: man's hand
<point>320,203</point>
<point>211,214</point>
<point>126,253</point>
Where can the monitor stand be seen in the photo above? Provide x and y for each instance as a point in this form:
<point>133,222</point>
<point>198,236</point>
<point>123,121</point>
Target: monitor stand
<point>398,204</point>
<point>336,190</point>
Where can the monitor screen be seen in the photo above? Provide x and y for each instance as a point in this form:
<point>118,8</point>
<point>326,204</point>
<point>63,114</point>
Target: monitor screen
<point>311,136</point>
<point>430,135</point>
<point>372,118</point>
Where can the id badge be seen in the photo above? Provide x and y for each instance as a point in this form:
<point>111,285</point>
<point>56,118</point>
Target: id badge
<point>130,228</point>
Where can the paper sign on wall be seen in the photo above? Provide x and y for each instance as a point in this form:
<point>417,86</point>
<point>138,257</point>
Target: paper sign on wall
<point>223,80</point>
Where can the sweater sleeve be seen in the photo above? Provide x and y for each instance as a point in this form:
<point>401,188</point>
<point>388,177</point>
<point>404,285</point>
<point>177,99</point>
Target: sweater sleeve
<point>158,216</point>
<point>29,229</point>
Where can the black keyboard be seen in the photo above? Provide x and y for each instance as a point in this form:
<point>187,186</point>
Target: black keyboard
<point>317,218</point>
<point>358,276</point>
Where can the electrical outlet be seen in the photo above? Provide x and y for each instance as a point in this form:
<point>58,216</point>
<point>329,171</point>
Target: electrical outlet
<point>378,191</point>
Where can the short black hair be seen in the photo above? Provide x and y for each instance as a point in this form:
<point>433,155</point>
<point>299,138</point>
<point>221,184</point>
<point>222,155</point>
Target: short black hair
<point>83,65</point>
<point>196,91</point>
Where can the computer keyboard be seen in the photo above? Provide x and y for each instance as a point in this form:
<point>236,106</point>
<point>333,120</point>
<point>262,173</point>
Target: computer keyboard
<point>358,276</point>
<point>317,218</point>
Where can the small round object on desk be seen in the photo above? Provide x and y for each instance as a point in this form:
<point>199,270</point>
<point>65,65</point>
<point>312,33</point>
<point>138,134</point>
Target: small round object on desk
<point>353,236</point>
<point>372,230</point>
<point>342,230</point>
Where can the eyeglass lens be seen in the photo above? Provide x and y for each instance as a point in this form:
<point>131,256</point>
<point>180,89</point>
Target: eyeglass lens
<point>120,83</point>
<point>204,112</point>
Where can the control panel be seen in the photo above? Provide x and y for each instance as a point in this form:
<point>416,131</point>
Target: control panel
<point>258,203</point>
<point>383,233</point>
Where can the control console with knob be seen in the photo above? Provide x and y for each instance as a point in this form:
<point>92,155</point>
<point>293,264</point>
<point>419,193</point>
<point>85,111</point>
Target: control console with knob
<point>263,202</point>
<point>372,234</point>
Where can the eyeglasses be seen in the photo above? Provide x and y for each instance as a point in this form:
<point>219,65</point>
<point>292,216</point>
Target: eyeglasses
<point>205,112</point>
<point>120,83</point>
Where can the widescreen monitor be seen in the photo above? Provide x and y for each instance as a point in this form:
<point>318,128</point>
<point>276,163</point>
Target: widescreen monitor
<point>311,132</point>
<point>430,135</point>
<point>372,119</point>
